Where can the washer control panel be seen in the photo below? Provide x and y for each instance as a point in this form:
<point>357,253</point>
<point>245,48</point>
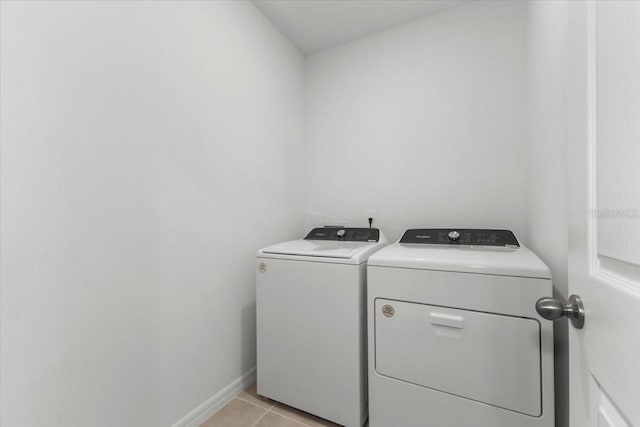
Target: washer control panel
<point>346,234</point>
<point>460,236</point>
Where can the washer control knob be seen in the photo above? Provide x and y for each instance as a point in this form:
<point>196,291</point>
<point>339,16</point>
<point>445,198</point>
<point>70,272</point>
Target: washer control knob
<point>454,236</point>
<point>340,233</point>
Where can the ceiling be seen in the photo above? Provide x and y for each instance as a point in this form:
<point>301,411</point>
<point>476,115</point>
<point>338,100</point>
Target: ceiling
<point>314,25</point>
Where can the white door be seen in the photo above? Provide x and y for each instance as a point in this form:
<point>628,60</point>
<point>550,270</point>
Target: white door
<point>603,118</point>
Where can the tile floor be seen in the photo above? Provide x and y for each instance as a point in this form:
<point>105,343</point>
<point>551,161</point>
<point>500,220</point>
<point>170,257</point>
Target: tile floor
<point>248,409</point>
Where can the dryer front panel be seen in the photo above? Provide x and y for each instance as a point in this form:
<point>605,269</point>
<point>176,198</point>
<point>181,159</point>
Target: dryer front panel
<point>485,357</point>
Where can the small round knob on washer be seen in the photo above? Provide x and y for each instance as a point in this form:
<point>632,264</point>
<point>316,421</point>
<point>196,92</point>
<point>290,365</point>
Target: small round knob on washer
<point>454,236</point>
<point>340,233</point>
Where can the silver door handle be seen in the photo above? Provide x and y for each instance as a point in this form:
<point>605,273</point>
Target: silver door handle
<point>554,309</point>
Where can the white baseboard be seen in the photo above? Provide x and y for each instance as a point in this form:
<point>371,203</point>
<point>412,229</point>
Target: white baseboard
<point>217,401</point>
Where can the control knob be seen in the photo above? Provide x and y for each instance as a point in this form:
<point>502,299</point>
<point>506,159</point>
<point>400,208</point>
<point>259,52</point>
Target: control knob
<point>340,234</point>
<point>454,236</point>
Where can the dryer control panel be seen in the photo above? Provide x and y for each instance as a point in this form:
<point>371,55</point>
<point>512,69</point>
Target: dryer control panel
<point>461,236</point>
<point>346,234</point>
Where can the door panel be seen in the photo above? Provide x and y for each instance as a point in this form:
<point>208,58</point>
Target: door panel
<point>617,128</point>
<point>603,106</point>
<point>608,415</point>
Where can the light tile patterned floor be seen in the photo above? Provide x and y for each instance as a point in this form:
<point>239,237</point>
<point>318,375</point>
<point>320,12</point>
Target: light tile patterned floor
<point>249,409</point>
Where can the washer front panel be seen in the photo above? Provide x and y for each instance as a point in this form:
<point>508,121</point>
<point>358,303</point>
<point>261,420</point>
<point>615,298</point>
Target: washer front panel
<point>311,351</point>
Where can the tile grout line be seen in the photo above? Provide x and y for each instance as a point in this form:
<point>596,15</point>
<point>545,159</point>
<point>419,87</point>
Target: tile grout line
<point>261,417</point>
<point>266,411</point>
<point>254,404</point>
<point>289,418</point>
<point>270,410</point>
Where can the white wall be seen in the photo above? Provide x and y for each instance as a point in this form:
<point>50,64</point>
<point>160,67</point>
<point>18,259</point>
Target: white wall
<point>147,150</point>
<point>546,162</point>
<point>423,123</point>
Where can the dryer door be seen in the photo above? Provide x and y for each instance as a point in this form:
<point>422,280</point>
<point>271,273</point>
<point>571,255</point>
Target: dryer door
<point>489,358</point>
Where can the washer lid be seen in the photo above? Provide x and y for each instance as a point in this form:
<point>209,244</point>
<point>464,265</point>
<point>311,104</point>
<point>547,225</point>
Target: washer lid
<point>520,262</point>
<point>321,249</point>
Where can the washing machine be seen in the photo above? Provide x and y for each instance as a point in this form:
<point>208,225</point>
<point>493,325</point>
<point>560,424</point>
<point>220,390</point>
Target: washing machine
<point>311,322</point>
<point>454,337</point>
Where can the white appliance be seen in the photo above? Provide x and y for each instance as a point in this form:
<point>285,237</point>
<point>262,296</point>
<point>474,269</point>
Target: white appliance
<point>311,322</point>
<point>454,337</point>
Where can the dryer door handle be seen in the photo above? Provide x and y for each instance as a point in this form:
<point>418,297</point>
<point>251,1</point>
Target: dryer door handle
<point>445,319</point>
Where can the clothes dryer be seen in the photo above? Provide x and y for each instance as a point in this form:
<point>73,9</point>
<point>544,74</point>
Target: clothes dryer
<point>454,337</point>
